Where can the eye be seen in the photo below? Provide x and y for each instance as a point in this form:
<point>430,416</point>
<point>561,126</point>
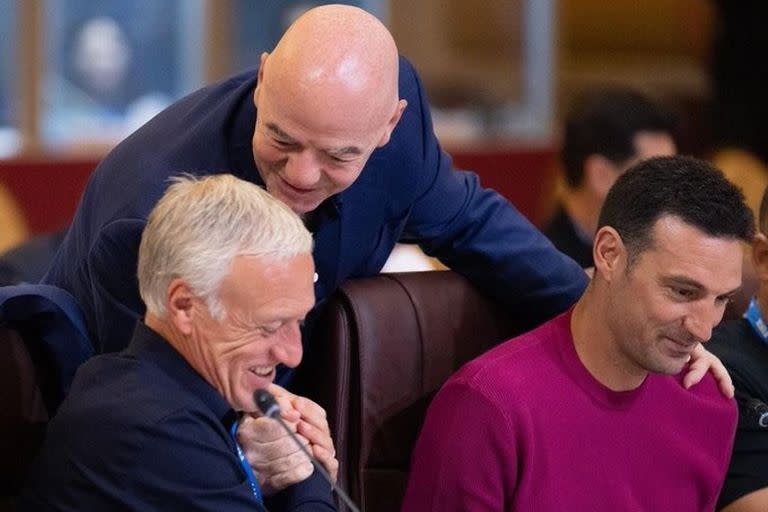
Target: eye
<point>339,160</point>
<point>268,330</point>
<point>724,299</point>
<point>683,293</point>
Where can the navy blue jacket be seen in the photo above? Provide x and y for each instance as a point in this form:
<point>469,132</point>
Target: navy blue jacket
<point>141,430</point>
<point>407,191</point>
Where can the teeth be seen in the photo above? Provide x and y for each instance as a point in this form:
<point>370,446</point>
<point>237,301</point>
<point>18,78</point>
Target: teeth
<point>262,371</point>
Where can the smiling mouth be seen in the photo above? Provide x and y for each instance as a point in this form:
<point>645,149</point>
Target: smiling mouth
<point>262,371</point>
<point>296,190</point>
<point>681,346</point>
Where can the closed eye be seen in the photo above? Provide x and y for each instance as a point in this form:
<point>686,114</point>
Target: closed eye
<point>284,143</point>
<point>683,293</point>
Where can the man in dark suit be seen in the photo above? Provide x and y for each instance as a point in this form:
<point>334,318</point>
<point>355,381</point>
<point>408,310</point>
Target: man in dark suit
<point>606,131</point>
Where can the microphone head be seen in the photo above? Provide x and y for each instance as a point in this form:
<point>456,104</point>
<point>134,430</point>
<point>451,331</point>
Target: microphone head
<point>266,403</point>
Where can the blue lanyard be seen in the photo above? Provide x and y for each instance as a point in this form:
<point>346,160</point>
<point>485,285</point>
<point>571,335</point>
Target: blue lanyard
<point>755,319</point>
<point>246,466</point>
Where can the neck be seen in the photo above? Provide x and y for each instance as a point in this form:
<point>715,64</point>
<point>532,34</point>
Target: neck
<point>188,346</point>
<point>596,344</point>
<point>580,206</point>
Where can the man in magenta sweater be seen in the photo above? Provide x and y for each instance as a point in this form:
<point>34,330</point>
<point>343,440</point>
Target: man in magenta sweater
<point>588,412</point>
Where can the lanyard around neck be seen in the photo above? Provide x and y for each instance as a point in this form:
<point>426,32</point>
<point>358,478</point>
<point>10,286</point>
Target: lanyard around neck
<point>246,466</point>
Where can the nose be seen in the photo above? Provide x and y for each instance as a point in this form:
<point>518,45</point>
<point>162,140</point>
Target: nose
<point>701,320</point>
<point>302,169</point>
<point>288,350</point>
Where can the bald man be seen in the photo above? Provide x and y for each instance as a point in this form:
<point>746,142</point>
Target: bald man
<point>337,126</point>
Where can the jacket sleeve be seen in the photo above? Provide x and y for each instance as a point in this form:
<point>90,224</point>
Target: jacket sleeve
<point>477,232</point>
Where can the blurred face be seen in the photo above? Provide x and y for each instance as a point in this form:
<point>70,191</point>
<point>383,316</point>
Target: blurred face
<point>601,174</point>
<point>651,144</point>
<point>672,297</point>
<point>264,302</point>
<point>647,145</point>
<point>306,148</point>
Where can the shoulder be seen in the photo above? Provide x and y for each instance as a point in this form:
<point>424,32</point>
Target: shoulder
<point>191,135</point>
<point>521,365</point>
<point>126,392</point>
<point>702,400</point>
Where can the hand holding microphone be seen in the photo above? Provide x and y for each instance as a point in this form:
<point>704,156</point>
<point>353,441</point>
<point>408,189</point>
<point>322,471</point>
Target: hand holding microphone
<point>268,405</point>
<point>274,455</point>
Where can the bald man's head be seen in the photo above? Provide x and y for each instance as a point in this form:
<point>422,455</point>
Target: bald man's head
<point>327,96</point>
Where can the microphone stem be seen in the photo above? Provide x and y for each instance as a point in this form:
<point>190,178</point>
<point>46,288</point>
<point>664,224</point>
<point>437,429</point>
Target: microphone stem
<point>318,467</point>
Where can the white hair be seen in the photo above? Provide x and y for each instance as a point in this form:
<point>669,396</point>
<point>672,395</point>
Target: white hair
<point>198,228</point>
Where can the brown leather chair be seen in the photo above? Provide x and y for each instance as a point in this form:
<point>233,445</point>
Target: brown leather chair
<point>42,342</point>
<point>385,346</point>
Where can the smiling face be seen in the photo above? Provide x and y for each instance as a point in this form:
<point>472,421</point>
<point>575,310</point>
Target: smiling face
<point>313,138</point>
<point>670,298</point>
<point>264,302</point>
<point>307,153</point>
<point>326,98</point>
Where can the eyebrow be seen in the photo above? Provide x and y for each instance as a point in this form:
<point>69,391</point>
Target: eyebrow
<point>272,127</point>
<point>335,152</point>
<point>685,281</point>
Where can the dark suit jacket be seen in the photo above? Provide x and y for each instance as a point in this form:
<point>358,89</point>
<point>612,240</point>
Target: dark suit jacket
<point>563,233</point>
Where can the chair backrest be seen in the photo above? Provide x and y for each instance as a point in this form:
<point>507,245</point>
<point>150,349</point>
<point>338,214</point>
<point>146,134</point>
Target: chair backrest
<point>382,348</point>
<point>23,415</point>
<point>42,342</point>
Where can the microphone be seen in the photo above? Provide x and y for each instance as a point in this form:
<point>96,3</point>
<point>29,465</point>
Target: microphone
<point>268,406</point>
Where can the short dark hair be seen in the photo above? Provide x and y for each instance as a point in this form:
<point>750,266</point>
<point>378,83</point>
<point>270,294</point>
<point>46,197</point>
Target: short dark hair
<point>605,122</point>
<point>685,187</point>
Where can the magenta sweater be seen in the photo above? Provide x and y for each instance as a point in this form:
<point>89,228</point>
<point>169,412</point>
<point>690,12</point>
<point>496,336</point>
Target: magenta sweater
<point>526,427</point>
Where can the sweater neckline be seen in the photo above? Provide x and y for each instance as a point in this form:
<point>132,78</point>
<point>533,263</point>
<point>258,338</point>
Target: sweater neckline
<point>596,390</point>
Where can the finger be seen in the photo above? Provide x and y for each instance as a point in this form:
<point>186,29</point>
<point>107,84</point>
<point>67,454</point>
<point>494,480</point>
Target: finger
<point>280,393</point>
<point>260,455</point>
<point>282,464</point>
<point>258,430</point>
<point>723,379</point>
<point>315,436</point>
<point>284,399</point>
<point>702,361</point>
<point>311,411</point>
<point>696,372</point>
<point>266,440</point>
<point>328,460</point>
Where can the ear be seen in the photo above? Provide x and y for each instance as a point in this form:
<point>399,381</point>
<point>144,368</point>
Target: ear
<point>600,174</point>
<point>760,257</point>
<point>609,253</point>
<point>180,306</point>
<point>401,104</point>
<point>260,78</point>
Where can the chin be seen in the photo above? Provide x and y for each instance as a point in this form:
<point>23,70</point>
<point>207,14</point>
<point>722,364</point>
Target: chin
<point>669,367</point>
